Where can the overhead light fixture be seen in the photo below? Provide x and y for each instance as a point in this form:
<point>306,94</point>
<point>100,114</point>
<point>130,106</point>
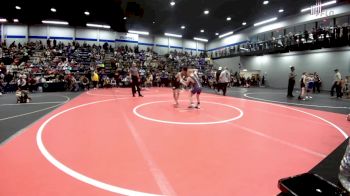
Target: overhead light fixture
<point>216,34</point>
<point>54,22</point>
<point>125,18</point>
<point>18,7</point>
<point>206,12</point>
<point>281,10</point>
<point>87,13</point>
<point>202,30</point>
<point>3,20</point>
<point>183,27</point>
<point>322,5</point>
<point>226,34</point>
<point>98,26</point>
<point>172,35</point>
<point>15,20</point>
<point>200,39</point>
<point>244,23</point>
<point>172,3</point>
<point>53,9</point>
<point>266,2</point>
<point>265,21</point>
<point>228,18</point>
<point>139,32</point>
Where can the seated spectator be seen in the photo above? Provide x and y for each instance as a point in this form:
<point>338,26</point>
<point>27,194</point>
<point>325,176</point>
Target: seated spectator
<point>84,83</point>
<point>22,96</point>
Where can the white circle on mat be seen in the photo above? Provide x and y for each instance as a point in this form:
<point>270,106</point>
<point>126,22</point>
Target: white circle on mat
<point>135,110</point>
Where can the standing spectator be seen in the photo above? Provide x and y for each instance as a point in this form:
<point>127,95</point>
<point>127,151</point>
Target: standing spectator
<point>291,82</point>
<point>54,43</point>
<point>95,79</point>
<point>217,79</point>
<point>317,83</point>
<point>135,80</point>
<point>48,43</point>
<point>336,84</point>
<point>224,79</point>
<point>302,87</point>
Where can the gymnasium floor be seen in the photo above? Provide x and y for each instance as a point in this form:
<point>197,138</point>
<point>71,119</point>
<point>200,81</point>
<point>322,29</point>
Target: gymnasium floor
<point>104,142</point>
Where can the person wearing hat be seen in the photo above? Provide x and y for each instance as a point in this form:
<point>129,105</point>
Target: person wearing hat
<point>336,84</point>
<point>291,81</point>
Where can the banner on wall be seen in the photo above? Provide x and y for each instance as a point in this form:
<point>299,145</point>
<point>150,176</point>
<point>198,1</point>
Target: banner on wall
<point>128,37</point>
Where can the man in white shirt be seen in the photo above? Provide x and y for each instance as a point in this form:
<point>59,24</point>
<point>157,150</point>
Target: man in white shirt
<point>224,79</point>
<point>336,84</point>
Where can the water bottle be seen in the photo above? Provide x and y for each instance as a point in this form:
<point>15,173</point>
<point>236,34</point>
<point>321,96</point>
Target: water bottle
<point>344,170</point>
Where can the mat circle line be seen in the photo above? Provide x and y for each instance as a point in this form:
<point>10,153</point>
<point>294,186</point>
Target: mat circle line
<point>187,123</point>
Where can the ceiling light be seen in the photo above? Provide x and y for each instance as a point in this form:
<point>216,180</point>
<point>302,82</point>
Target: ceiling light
<point>3,20</point>
<point>18,7</point>
<point>202,30</point>
<point>183,27</point>
<point>124,18</point>
<point>172,35</point>
<point>266,2</point>
<point>54,22</point>
<point>200,39</point>
<point>87,13</point>
<point>172,3</point>
<point>244,23</point>
<point>281,10</point>
<point>15,20</point>
<point>98,26</point>
<point>228,18</point>
<point>265,21</point>
<point>226,34</point>
<point>323,4</point>
<point>216,34</point>
<point>206,12</point>
<point>53,10</point>
<point>139,32</point>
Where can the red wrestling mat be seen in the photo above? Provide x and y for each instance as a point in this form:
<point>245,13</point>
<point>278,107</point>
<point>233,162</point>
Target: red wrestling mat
<point>105,142</point>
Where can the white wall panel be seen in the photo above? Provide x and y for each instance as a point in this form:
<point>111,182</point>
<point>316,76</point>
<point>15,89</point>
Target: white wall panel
<point>16,33</point>
<point>276,67</point>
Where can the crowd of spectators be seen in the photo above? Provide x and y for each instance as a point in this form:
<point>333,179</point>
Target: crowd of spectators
<point>38,67</point>
<point>316,38</point>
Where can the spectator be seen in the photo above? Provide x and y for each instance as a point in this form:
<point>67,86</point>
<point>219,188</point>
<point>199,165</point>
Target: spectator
<point>336,84</point>
<point>224,79</point>
<point>291,82</point>
<point>317,83</point>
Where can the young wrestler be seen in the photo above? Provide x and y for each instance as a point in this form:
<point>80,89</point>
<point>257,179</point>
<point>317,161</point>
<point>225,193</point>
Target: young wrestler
<point>177,84</point>
<point>193,81</point>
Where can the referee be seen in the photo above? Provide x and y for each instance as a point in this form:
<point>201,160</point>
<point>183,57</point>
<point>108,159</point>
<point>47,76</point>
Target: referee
<point>135,80</point>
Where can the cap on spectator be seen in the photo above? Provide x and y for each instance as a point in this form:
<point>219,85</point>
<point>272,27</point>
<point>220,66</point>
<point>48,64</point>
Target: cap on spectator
<point>336,70</point>
<point>220,68</point>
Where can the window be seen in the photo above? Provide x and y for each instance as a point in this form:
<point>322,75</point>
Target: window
<point>309,27</point>
<point>261,37</point>
<point>290,30</point>
<point>268,36</point>
<point>278,33</point>
<point>342,21</point>
<point>327,22</point>
<point>300,29</point>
